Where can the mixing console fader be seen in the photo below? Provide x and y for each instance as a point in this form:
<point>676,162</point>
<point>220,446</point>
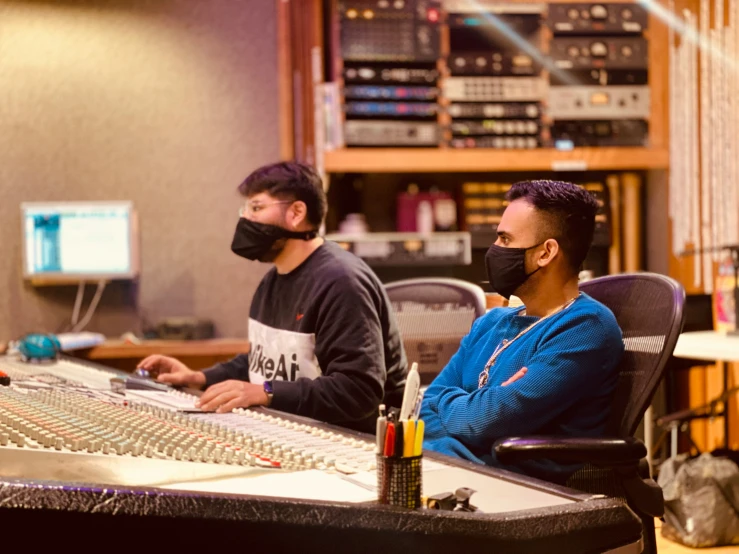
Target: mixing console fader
<point>64,371</point>
<point>76,422</point>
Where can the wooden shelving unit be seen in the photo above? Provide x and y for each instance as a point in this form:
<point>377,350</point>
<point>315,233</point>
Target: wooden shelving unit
<point>306,55</point>
<point>654,157</point>
<point>399,249</point>
<point>385,160</point>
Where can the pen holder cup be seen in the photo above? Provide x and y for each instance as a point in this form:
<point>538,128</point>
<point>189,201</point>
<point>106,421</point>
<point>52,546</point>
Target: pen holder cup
<point>399,481</point>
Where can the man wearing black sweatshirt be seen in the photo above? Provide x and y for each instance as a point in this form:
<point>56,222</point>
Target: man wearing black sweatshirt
<point>324,340</point>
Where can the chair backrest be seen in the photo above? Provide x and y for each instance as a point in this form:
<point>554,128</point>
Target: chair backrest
<point>434,314</point>
<point>649,310</point>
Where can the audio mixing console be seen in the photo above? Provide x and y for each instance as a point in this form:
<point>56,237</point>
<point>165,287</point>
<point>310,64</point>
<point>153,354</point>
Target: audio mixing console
<point>66,422</point>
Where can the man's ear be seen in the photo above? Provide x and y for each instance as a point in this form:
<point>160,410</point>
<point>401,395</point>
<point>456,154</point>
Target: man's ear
<point>297,214</point>
<point>548,253</point>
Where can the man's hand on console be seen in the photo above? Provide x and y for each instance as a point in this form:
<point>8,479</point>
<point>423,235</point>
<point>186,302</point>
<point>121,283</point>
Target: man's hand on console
<point>172,371</point>
<point>227,395</point>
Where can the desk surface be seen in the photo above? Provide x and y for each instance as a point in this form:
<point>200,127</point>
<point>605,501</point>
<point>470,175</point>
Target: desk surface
<point>172,520</point>
<point>121,349</point>
<point>707,345</point>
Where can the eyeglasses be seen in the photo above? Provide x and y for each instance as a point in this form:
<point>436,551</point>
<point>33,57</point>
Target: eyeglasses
<point>250,208</point>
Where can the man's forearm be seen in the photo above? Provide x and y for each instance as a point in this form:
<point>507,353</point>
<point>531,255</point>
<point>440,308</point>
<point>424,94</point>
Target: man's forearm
<point>236,368</point>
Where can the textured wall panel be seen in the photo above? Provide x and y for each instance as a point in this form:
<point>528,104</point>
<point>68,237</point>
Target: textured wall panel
<point>168,103</point>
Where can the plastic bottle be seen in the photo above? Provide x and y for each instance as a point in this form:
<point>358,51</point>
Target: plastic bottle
<point>425,217</point>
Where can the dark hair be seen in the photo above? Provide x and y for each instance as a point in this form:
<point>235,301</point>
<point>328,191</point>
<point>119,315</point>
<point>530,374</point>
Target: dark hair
<point>570,211</point>
<point>290,181</point>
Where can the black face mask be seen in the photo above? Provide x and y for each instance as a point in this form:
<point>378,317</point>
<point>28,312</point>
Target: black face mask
<point>506,268</point>
<point>255,241</point>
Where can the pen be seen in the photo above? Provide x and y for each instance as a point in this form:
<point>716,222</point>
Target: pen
<point>418,448</point>
<point>381,428</point>
<point>389,440</point>
<point>410,394</point>
<point>409,439</point>
<point>417,407</point>
<point>399,444</point>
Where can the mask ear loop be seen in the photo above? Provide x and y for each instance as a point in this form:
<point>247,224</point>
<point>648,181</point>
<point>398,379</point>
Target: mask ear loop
<point>530,274</point>
<point>538,266</point>
<point>536,245</point>
<point>305,235</point>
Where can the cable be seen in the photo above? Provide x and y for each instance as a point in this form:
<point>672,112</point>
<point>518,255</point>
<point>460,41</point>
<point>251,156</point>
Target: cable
<point>91,309</point>
<point>78,303</point>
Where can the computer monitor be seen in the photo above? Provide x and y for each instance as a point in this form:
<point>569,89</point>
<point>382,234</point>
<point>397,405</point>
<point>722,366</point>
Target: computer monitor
<point>68,242</point>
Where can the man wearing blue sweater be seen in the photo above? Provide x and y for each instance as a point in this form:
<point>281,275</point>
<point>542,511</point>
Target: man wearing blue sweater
<point>548,367</point>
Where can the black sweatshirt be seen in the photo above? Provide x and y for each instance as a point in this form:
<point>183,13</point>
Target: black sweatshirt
<point>326,337</point>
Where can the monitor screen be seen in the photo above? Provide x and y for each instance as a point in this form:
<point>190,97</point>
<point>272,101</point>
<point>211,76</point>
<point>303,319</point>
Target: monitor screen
<point>75,241</point>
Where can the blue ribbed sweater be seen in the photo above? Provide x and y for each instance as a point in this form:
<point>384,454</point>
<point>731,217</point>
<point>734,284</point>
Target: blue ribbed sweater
<point>571,360</point>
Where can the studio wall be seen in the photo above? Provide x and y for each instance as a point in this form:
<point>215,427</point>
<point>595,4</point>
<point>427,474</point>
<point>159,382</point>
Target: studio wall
<point>167,103</point>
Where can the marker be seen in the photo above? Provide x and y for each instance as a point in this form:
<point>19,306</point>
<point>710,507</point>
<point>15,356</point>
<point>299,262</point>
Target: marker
<point>381,428</point>
<point>399,443</point>
<point>410,394</point>
<point>418,448</point>
<point>410,435</point>
<point>389,440</point>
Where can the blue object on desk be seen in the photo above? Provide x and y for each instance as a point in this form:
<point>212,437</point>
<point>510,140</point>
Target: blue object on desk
<point>39,347</point>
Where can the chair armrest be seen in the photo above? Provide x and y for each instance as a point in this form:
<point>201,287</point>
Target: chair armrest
<point>621,455</point>
<point>607,452</point>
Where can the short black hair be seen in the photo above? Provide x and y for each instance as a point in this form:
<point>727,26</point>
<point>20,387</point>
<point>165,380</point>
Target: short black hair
<point>290,181</point>
<point>570,211</point>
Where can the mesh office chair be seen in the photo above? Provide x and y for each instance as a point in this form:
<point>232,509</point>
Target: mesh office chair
<point>434,314</point>
<point>649,310</point>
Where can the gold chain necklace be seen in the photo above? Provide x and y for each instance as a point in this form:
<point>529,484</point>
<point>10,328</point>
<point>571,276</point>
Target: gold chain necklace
<point>482,380</point>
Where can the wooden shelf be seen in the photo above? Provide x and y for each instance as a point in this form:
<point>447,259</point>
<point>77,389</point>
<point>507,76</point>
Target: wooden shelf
<point>411,160</point>
<point>196,354</point>
<point>121,349</point>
